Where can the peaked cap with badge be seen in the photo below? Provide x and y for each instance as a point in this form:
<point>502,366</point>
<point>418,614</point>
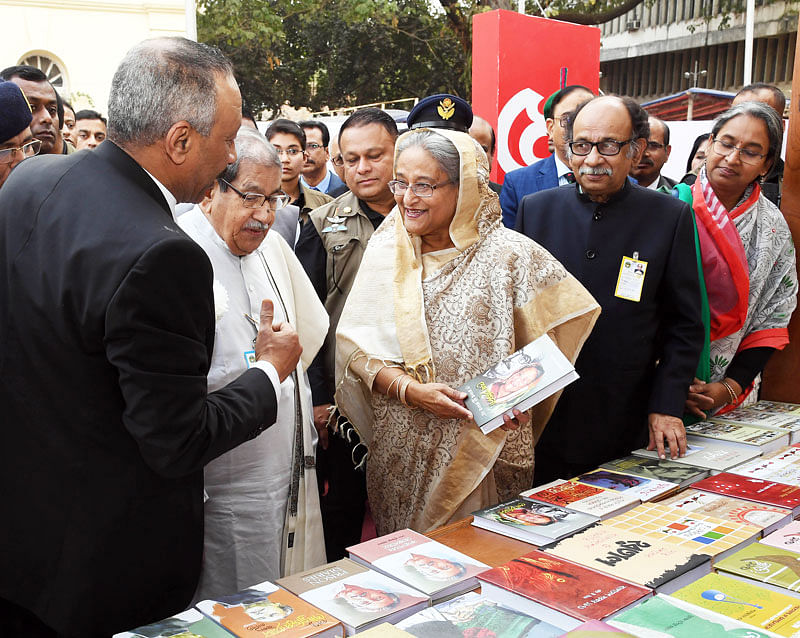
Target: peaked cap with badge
<point>441,111</point>
<point>15,112</point>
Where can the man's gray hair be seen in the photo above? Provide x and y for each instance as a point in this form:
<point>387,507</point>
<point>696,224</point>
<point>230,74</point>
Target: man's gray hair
<point>251,147</point>
<point>160,82</point>
<point>763,112</point>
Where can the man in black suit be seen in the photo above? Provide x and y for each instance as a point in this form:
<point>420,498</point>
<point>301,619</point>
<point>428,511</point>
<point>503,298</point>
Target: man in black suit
<point>634,251</point>
<point>107,325</point>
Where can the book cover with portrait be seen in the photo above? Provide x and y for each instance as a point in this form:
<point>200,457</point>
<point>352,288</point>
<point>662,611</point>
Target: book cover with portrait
<point>358,596</point>
<point>265,610</point>
<point>420,562</point>
<point>639,487</point>
<point>519,381</point>
<point>532,521</point>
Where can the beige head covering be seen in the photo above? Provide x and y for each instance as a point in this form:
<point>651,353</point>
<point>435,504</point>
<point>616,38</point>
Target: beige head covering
<point>393,331</point>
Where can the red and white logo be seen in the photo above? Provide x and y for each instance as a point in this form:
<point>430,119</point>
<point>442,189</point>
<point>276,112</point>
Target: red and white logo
<point>521,131</point>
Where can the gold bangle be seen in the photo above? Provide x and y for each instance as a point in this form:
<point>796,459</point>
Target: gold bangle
<point>402,391</point>
<point>731,392</point>
<point>395,380</point>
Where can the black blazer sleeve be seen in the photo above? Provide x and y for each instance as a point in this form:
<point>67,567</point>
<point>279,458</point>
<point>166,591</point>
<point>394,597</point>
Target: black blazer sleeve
<point>157,326</point>
<point>682,331</point>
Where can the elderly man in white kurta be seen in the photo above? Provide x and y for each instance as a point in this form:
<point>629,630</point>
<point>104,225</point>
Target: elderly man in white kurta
<point>262,517</point>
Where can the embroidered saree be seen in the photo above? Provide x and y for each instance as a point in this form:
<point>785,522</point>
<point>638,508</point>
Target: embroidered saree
<point>446,317</point>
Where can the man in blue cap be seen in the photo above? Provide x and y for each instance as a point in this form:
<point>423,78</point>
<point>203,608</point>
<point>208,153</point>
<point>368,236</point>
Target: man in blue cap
<point>441,111</point>
<point>16,139</point>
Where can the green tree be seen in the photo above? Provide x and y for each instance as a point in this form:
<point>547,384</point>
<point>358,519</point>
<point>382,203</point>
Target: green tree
<point>334,53</point>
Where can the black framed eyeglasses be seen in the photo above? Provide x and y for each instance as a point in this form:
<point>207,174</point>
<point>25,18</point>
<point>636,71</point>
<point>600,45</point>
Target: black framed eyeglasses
<point>28,150</point>
<point>257,200</point>
<point>745,154</point>
<point>655,146</point>
<point>420,190</point>
<point>605,147</point>
<point>338,160</point>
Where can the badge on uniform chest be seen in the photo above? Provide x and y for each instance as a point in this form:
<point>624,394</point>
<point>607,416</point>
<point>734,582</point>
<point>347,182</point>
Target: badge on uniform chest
<point>630,280</point>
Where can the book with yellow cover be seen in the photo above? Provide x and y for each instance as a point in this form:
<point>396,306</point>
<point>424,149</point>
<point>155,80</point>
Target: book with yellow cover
<point>697,532</point>
<point>633,557</point>
<point>757,606</point>
<point>267,611</point>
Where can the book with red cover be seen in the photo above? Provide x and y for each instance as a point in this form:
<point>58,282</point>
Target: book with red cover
<point>558,591</point>
<point>753,489</point>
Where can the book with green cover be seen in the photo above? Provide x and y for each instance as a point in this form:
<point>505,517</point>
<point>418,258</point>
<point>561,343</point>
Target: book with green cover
<point>520,381</point>
<point>765,564</point>
<point>757,606</point>
<point>662,616</point>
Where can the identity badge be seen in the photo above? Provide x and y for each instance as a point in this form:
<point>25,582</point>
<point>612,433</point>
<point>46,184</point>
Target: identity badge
<point>250,358</point>
<point>631,278</point>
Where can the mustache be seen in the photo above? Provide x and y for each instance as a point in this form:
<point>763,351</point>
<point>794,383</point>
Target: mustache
<point>646,162</point>
<point>256,225</point>
<point>588,170</point>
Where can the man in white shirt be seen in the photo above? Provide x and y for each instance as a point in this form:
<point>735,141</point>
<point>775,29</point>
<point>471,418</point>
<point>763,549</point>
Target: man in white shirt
<point>262,517</point>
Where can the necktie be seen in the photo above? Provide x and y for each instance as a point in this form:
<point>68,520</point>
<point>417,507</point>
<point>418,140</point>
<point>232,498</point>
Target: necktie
<point>570,178</point>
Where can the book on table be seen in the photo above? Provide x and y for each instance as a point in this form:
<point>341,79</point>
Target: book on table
<point>629,556</point>
<point>782,466</point>
<point>532,521</point>
<point>434,569</point>
<point>519,381</point>
<point>266,609</point>
<point>358,596</point>
<point>756,606</point>
<point>662,616</point>
<point>385,630</point>
<point>766,517</point>
<point>702,452</point>
<point>596,629</point>
<point>785,421</point>
<point>582,498</point>
<point>753,489</point>
<point>728,433</point>
<point>776,407</point>
<point>638,487</point>
<point>559,591</point>
<point>478,616</point>
<point>787,537</point>
<point>697,532</point>
<point>659,469</point>
<point>764,565</point>
<point>188,623</point>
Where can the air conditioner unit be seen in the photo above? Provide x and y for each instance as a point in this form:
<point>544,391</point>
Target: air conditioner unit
<point>634,25</point>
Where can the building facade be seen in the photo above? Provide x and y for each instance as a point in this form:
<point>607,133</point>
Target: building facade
<point>79,43</point>
<point>646,52</point>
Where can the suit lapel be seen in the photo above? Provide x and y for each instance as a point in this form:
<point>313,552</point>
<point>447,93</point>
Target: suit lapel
<point>128,166</point>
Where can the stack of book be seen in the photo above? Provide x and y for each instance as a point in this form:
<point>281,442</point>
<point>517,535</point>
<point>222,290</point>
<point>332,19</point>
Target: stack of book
<point>717,556</point>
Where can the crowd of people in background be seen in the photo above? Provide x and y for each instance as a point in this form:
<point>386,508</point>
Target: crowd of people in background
<point>220,345</point>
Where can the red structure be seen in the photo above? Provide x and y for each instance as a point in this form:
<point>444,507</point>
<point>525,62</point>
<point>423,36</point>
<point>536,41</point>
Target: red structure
<point>517,62</point>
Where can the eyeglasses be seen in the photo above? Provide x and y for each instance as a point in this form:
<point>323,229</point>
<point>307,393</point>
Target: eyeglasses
<point>606,147</point>
<point>291,152</point>
<point>746,155</point>
<point>338,160</point>
<point>420,190</point>
<point>314,146</point>
<point>564,119</point>
<point>655,146</point>
<point>257,200</point>
<point>28,150</point>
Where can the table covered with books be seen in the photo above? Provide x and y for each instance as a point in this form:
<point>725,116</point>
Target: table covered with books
<point>705,545</point>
